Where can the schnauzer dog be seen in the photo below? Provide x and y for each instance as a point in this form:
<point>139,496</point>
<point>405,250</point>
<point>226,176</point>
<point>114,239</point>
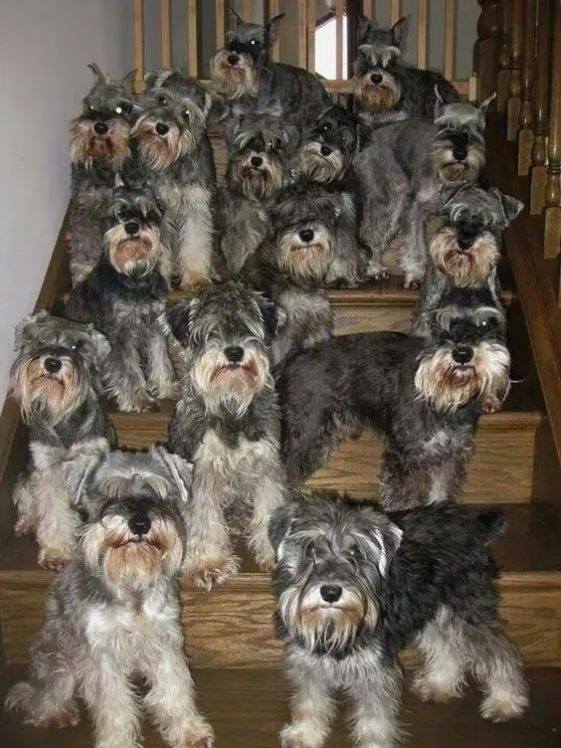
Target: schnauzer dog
<point>227,423</point>
<point>312,245</point>
<point>56,380</point>
<point>403,171</point>
<point>113,614</point>
<point>244,68</point>
<point>465,250</point>
<point>124,296</point>
<point>353,586</point>
<point>175,155</point>
<point>259,150</point>
<point>386,90</point>
<point>98,148</point>
<point>422,396</point>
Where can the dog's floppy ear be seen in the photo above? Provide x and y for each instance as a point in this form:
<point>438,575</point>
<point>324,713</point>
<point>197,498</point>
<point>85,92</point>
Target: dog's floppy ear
<point>179,469</point>
<point>178,319</point>
<point>363,27</point>
<point>510,207</point>
<point>397,31</point>
<point>279,526</point>
<point>274,317</point>
<point>272,27</point>
<point>387,537</point>
<point>484,106</point>
<point>78,470</point>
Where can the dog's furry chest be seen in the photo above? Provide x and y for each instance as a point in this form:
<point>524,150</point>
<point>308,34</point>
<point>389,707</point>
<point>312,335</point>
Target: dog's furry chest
<point>175,195</point>
<point>364,665</point>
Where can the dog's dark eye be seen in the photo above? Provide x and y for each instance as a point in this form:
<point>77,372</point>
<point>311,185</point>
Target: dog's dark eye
<point>253,42</point>
<point>327,126</point>
<point>77,345</point>
<point>309,551</point>
<point>163,100</point>
<point>355,552</point>
<point>186,113</point>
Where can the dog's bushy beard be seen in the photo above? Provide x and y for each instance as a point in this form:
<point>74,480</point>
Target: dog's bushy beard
<point>448,169</point>
<point>234,82</point>
<point>109,149</point>
<point>228,388</point>
<point>464,267</point>
<point>258,184</point>
<point>306,262</point>
<point>109,547</point>
<point>47,398</point>
<point>384,96</point>
<point>160,151</point>
<point>136,255</point>
<point>445,385</point>
<point>324,169</point>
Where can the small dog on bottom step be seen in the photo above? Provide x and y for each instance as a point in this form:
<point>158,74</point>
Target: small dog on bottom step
<point>113,613</point>
<point>354,586</point>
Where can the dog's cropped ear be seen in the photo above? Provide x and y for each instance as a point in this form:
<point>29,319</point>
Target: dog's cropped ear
<point>280,525</point>
<point>363,27</point>
<point>178,319</point>
<point>101,77</point>
<point>510,207</point>
<point>179,469</point>
<point>484,106</point>
<point>397,31</point>
<point>272,28</point>
<point>19,332</point>
<point>238,20</point>
<point>79,469</point>
<point>439,103</point>
<point>387,537</point>
<point>274,317</point>
<point>128,78</point>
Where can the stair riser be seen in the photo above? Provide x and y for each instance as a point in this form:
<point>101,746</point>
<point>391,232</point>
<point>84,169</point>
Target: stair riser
<point>231,626</point>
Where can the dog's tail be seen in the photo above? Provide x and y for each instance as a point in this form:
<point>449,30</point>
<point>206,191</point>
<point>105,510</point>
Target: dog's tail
<point>491,522</point>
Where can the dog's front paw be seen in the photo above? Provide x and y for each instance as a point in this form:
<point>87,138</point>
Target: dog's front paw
<point>378,272</point>
<point>413,283</point>
<point>139,404</point>
<point>193,281</point>
<point>265,559</point>
<point>489,405</point>
<point>299,735</point>
<point>438,693</point>
<point>24,527</point>
<point>212,570</point>
<point>66,717</point>
<point>54,559</point>
<point>170,391</point>
<point>198,734</point>
<point>504,707</point>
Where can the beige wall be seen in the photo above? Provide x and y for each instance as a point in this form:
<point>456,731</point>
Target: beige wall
<point>45,47</point>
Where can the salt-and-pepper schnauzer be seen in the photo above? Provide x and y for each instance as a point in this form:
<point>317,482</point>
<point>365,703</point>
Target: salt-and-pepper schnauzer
<point>312,245</point>
<point>99,146</point>
<point>259,150</point>
<point>387,90</point>
<point>465,250</point>
<point>423,397</point>
<point>244,68</point>
<point>124,297</point>
<point>227,424</point>
<point>354,586</point>
<point>176,157</point>
<point>402,173</point>
<point>55,377</point>
<point>113,613</point>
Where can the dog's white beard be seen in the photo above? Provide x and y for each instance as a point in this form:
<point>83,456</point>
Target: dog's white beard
<point>309,262</point>
<point>464,267</point>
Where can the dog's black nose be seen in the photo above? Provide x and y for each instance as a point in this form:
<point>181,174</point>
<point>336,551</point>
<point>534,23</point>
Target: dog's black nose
<point>132,227</point>
<point>325,150</point>
<point>233,59</point>
<point>376,78</point>
<point>256,161</point>
<point>162,128</point>
<point>306,235</point>
<point>464,241</point>
<point>331,592</point>
<point>460,152</point>
<point>101,128</point>
<point>462,354</point>
<point>234,353</point>
<point>52,364</point>
<point>139,524</point>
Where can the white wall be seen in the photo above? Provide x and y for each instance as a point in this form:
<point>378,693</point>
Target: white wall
<point>45,47</point>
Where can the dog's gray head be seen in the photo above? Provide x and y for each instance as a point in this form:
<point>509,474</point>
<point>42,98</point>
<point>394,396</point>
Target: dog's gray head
<point>100,135</point>
<point>328,146</point>
<point>304,218</point>
<point>331,559</point>
<point>133,240</point>
<point>134,506</point>
<point>226,330</point>
<point>57,364</point>
<point>458,150</point>
<point>466,356</point>
<point>467,246</point>
<point>234,69</point>
<point>376,85</point>
<point>173,118</point>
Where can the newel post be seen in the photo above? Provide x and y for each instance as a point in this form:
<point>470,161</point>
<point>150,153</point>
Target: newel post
<point>514,85</point>
<point>486,48</point>
<point>526,117</point>
<point>552,236</point>
<point>538,169</point>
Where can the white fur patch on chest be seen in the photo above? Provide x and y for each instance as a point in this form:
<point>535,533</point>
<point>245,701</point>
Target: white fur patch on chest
<point>244,460</point>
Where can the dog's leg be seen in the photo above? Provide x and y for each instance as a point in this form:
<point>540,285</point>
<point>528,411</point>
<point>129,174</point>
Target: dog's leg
<point>445,660</point>
<point>312,710</point>
<point>161,374</point>
<point>375,232</point>
<point>57,522</point>
<point>123,374</point>
<point>412,254</point>
<point>171,698</point>
<point>445,481</point>
<point>400,485</point>
<point>268,494</point>
<point>25,502</point>
<point>376,705</point>
<point>196,238</point>
<point>111,701</point>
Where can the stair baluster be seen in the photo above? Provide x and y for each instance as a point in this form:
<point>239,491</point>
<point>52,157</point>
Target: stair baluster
<point>503,76</point>
<point>514,85</point>
<point>552,235</point>
<point>487,47</point>
<point>526,118</point>
<point>541,108</point>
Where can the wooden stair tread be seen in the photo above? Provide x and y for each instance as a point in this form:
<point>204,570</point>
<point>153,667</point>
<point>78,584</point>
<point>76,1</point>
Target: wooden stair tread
<point>247,708</point>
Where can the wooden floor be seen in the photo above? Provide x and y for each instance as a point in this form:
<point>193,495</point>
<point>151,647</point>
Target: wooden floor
<point>248,707</point>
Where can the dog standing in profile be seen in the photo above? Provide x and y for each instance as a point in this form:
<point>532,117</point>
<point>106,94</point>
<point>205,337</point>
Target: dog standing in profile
<point>113,613</point>
<point>99,146</point>
<point>227,424</point>
<point>385,89</point>
<point>354,586</point>
<point>56,379</point>
<point>124,297</point>
<point>174,154</point>
<point>423,397</point>
<point>244,68</point>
